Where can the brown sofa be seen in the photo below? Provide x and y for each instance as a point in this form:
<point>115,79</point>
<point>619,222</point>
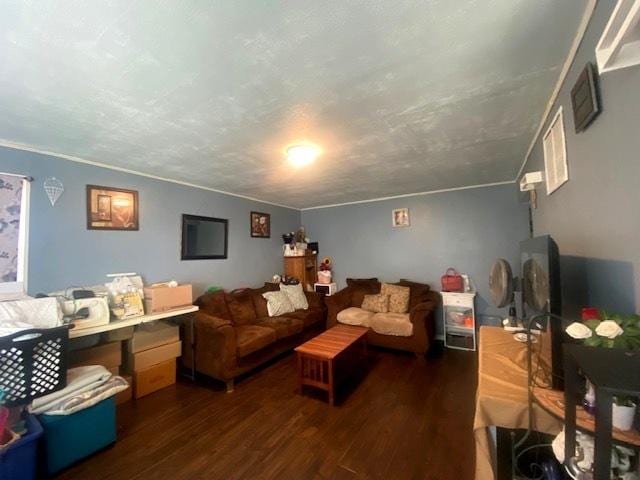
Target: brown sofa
<point>422,305</point>
<point>234,333</point>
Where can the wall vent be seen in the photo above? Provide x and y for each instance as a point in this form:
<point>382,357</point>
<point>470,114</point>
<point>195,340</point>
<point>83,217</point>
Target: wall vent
<point>555,154</point>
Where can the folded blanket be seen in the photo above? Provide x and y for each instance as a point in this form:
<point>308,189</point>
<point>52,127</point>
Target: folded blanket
<point>29,313</point>
<point>88,398</point>
<point>79,380</point>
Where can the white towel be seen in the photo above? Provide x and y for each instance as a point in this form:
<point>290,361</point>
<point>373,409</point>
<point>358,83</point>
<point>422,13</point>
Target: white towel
<point>79,380</point>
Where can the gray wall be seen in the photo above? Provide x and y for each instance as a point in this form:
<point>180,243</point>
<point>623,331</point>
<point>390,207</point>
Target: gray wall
<point>466,229</point>
<point>62,252</point>
<point>594,217</point>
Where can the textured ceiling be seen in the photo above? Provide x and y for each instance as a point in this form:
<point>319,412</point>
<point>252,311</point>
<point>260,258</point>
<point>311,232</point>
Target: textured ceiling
<point>402,96</point>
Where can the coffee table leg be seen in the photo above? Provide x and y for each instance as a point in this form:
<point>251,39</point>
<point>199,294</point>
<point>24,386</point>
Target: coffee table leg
<point>299,372</point>
<point>331,385</point>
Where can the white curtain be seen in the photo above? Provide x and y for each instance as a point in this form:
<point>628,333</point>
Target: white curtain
<point>13,191</point>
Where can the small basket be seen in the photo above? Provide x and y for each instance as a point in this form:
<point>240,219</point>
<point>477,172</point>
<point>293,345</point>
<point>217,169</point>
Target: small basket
<point>33,363</point>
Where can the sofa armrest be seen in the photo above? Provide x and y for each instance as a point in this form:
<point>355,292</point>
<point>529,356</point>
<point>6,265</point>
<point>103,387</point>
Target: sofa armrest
<point>314,299</point>
<point>422,316</point>
<point>422,310</point>
<point>205,320</point>
<point>336,303</point>
<point>215,346</point>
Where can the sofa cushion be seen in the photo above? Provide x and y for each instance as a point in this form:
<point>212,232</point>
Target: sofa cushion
<point>259,302</point>
<point>398,297</point>
<point>296,296</point>
<point>397,324</point>
<point>367,283</point>
<point>362,287</point>
<point>283,326</point>
<point>308,317</point>
<point>214,304</point>
<point>355,316</point>
<point>278,303</point>
<point>260,305</point>
<point>419,291</point>
<point>251,338</point>
<point>241,307</point>
<point>378,303</point>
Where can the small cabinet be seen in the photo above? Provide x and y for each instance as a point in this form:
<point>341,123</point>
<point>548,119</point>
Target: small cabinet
<point>459,318</point>
<point>304,268</point>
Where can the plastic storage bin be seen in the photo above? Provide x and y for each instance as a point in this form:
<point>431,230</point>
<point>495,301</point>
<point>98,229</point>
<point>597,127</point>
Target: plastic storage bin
<point>69,438</point>
<point>19,461</point>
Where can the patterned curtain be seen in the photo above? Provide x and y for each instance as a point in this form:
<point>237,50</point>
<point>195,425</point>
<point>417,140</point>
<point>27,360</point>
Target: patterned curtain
<point>10,203</point>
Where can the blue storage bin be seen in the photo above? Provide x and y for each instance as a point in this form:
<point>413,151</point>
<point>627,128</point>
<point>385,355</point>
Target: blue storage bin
<point>69,438</point>
<point>19,461</point>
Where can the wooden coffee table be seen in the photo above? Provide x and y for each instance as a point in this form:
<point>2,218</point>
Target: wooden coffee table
<point>317,357</point>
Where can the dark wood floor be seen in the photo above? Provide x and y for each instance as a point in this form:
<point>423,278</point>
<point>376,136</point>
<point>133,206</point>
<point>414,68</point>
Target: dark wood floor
<point>405,419</point>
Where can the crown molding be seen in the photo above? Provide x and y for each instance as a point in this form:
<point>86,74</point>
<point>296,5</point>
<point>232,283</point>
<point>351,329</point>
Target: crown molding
<point>72,158</point>
<point>405,195</point>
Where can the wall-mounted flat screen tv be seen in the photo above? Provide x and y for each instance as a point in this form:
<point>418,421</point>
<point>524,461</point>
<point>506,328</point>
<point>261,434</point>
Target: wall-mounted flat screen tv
<point>204,238</point>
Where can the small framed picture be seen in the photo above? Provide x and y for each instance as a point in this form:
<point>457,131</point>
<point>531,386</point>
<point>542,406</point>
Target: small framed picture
<point>111,208</point>
<point>260,225</point>
<point>400,217</point>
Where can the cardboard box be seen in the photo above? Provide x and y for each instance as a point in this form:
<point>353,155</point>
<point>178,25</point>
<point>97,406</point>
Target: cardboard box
<point>108,355</point>
<point>153,335</point>
<point>114,370</point>
<point>153,356</point>
<point>154,378</point>
<point>161,299</point>
<point>125,395</point>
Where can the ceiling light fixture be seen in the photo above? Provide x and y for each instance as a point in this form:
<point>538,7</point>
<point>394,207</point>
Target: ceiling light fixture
<point>302,154</point>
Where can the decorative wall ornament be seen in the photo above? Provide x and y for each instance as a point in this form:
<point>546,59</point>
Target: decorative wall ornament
<point>54,189</point>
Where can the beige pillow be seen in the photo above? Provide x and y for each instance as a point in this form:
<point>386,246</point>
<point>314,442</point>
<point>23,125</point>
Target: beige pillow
<point>296,296</point>
<point>376,303</point>
<point>398,297</point>
<point>278,303</point>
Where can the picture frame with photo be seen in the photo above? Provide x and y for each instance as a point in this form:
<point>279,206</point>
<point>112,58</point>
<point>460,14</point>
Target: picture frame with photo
<point>400,217</point>
<point>260,225</point>
<point>110,208</point>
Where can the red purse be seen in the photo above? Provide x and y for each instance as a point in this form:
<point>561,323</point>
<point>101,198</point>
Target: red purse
<point>452,281</point>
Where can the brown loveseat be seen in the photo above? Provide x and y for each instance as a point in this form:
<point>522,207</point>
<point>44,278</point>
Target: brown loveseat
<point>234,333</point>
<point>422,305</point>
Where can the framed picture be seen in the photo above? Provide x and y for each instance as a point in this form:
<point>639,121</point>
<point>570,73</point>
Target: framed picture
<point>260,225</point>
<point>584,99</point>
<point>400,217</point>
<point>111,208</point>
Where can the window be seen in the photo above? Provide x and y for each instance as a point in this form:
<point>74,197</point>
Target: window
<point>555,154</point>
<point>14,211</point>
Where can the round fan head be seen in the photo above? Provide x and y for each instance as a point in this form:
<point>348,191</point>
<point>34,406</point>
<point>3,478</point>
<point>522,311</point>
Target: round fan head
<point>535,285</point>
<point>501,283</point>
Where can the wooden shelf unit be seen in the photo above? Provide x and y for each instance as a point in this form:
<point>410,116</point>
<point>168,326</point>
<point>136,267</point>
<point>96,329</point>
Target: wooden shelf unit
<point>304,268</point>
<point>553,402</point>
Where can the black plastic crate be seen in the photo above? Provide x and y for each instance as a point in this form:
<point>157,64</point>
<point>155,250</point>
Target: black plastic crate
<point>33,363</point>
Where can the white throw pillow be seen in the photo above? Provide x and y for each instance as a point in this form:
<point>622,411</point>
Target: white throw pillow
<point>278,303</point>
<point>296,296</point>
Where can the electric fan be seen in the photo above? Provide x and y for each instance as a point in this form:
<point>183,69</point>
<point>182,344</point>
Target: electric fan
<point>502,286</point>
<point>501,283</point>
